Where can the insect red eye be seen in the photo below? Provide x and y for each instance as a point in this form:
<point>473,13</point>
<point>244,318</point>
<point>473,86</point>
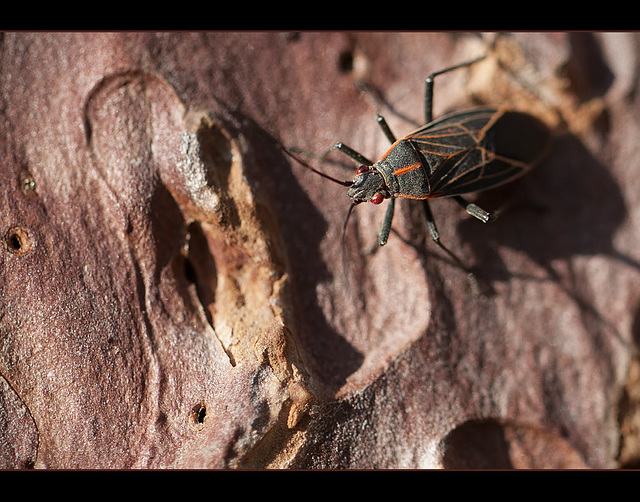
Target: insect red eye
<point>362,169</point>
<point>377,198</point>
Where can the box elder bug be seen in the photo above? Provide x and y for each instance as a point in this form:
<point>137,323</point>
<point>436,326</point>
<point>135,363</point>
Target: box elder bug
<point>460,153</point>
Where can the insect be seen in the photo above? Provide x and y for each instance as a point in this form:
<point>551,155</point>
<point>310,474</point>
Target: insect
<point>460,153</point>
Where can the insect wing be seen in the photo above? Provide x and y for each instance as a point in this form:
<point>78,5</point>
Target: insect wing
<point>451,135</point>
<point>474,150</point>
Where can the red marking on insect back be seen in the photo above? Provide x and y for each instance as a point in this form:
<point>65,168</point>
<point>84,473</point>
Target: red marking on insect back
<point>406,169</point>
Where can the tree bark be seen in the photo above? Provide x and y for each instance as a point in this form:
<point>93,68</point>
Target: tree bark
<point>173,286</point>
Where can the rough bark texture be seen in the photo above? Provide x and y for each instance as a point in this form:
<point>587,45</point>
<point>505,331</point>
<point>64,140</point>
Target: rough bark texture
<point>172,287</point>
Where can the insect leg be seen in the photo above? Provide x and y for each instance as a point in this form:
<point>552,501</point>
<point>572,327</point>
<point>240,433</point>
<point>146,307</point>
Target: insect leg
<point>435,235</point>
<point>386,129</point>
<point>474,210</point>
<point>386,223</point>
<point>428,88</point>
<point>358,157</point>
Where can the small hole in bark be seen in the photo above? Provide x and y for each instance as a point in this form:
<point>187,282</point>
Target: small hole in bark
<point>18,240</point>
<point>198,416</point>
<point>292,36</point>
<point>345,61</point>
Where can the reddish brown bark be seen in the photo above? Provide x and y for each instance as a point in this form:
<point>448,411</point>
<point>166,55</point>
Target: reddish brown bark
<point>173,292</point>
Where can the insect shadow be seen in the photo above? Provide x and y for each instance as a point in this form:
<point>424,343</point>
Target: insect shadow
<point>569,205</point>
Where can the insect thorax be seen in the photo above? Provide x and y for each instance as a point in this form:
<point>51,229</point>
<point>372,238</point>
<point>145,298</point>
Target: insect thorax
<point>404,172</point>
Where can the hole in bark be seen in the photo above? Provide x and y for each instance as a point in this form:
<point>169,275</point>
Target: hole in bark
<point>198,416</point>
<point>18,240</point>
<point>293,36</point>
<point>345,61</point>
<point>200,268</point>
<point>202,412</point>
<point>190,271</point>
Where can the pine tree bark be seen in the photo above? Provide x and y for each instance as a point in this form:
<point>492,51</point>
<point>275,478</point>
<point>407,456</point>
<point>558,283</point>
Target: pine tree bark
<point>173,289</point>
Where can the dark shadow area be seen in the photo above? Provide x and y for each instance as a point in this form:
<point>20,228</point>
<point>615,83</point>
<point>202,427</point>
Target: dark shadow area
<point>168,227</point>
<point>495,444</point>
<point>586,69</point>
<point>569,205</point>
<point>477,445</point>
<point>200,268</point>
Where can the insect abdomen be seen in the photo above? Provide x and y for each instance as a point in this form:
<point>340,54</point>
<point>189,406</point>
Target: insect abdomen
<point>478,149</point>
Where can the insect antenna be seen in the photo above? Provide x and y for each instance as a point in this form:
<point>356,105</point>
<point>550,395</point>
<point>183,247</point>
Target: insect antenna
<point>346,220</point>
<point>345,261</point>
<point>324,175</point>
<point>344,253</point>
<point>344,228</point>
